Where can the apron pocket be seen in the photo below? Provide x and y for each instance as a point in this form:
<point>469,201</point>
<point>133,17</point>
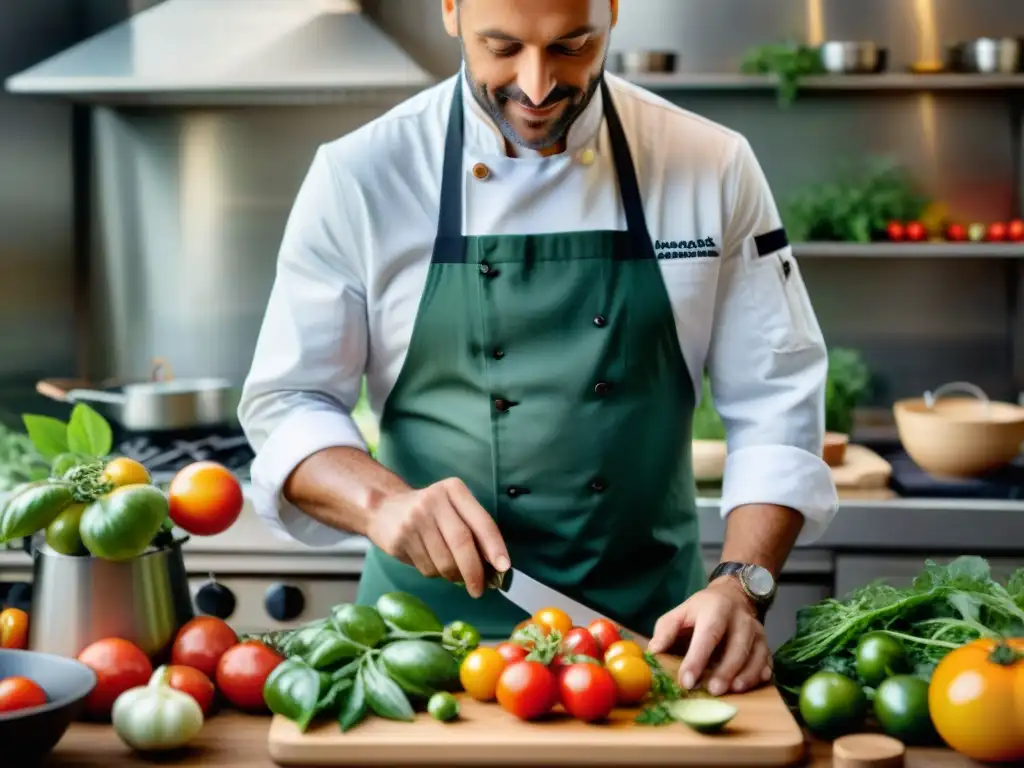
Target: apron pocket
<point>782,304</point>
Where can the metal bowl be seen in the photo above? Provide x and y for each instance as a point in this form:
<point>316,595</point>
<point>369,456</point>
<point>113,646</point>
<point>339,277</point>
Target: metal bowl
<point>641,62</point>
<point>845,57</point>
<point>30,734</point>
<point>988,56</point>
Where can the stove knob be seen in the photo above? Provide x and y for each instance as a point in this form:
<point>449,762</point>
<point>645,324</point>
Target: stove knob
<point>284,602</point>
<point>215,599</point>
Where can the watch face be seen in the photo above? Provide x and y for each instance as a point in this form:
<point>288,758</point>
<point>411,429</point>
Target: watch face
<point>759,581</point>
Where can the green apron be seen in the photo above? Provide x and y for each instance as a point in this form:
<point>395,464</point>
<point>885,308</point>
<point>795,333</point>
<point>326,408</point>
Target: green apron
<point>545,372</point>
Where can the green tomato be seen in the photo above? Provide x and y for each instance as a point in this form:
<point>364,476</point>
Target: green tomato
<point>901,708</point>
<point>832,705</point>
<point>443,706</point>
<point>879,656</point>
<point>121,525</point>
<point>63,535</point>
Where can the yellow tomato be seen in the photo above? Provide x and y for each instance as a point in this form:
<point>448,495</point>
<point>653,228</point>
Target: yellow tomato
<point>623,648</point>
<point>554,620</point>
<point>124,471</point>
<point>632,678</point>
<point>479,673</point>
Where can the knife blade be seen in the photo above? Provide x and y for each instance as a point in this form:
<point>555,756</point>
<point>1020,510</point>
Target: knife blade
<point>532,596</point>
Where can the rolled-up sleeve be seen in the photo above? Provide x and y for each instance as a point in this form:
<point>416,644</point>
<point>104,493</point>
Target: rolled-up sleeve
<point>767,361</point>
<point>310,356</point>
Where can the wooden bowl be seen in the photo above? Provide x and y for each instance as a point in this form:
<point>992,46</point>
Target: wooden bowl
<point>959,437</point>
<point>709,460</point>
<point>834,450</point>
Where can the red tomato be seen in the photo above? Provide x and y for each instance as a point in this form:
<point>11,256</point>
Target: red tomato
<point>1015,230</point>
<point>605,633</point>
<point>512,652</point>
<point>579,642</point>
<point>20,693</point>
<point>201,643</point>
<point>205,498</point>
<point>194,683</point>
<point>118,665</point>
<point>916,231</point>
<point>242,672</point>
<point>588,692</point>
<point>996,232</point>
<point>956,233</point>
<point>527,689</point>
<point>896,230</point>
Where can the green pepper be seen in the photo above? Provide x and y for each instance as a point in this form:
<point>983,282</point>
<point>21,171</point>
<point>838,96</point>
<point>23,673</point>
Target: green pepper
<point>293,691</point>
<point>330,647</point>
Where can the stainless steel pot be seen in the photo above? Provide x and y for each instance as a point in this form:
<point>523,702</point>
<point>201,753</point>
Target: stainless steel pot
<point>78,600</point>
<point>641,62</point>
<point>157,405</point>
<point>842,57</point>
<point>988,55</point>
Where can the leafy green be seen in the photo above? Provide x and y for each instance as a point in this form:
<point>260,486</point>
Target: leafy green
<point>48,435</point>
<point>945,607</point>
<point>847,382</point>
<point>789,62</point>
<point>707,424</point>
<point>20,460</point>
<point>88,433</point>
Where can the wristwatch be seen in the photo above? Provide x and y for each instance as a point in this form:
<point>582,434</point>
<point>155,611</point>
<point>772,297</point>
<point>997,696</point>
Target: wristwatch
<point>757,582</point>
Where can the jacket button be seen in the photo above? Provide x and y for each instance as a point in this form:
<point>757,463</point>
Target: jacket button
<point>481,172</point>
<point>497,354</point>
<point>602,388</point>
<point>600,321</point>
<point>597,485</point>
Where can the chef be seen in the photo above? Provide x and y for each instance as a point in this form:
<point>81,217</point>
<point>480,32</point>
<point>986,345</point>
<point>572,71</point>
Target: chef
<point>533,264</point>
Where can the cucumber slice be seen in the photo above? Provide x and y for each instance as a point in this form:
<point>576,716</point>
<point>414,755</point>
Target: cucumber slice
<point>703,715</point>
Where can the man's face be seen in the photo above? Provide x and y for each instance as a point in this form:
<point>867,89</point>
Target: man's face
<point>533,65</point>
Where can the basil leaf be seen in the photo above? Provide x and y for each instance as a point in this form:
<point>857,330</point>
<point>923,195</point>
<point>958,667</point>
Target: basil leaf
<point>48,435</point>
<point>384,695</point>
<point>89,433</point>
<point>355,708</point>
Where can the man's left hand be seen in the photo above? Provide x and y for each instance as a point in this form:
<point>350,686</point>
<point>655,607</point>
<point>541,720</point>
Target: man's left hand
<point>721,616</point>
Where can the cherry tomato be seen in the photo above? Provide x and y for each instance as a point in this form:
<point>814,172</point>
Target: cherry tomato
<point>119,665</point>
<point>511,652</point>
<point>555,619</point>
<point>205,498</point>
<point>605,633</point>
<point>124,471</point>
<point>896,231</point>
<point>916,231</point>
<point>579,642</point>
<point>956,233</point>
<point>20,693</point>
<point>193,682</point>
<point>632,677</point>
<point>242,672</point>
<point>479,673</point>
<point>14,629</point>
<point>201,643</point>
<point>588,692</point>
<point>527,689</point>
<point>1015,230</point>
<point>996,232</point>
<point>623,648</point>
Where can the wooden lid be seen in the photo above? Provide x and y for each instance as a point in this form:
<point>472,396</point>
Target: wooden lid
<point>864,750</point>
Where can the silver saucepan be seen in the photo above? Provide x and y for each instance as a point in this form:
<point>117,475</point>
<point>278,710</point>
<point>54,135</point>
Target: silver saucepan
<point>157,405</point>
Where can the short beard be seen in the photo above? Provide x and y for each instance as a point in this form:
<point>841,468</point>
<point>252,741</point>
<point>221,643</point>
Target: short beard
<point>493,104</point>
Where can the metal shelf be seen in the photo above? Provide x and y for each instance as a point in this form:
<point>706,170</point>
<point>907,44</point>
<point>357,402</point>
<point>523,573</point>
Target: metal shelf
<point>887,250</point>
<point>881,82</point>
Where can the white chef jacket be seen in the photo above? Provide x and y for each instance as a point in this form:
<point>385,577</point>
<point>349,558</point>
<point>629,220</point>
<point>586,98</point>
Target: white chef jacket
<point>358,243</point>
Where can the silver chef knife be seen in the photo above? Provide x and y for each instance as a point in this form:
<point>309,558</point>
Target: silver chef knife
<point>533,596</point>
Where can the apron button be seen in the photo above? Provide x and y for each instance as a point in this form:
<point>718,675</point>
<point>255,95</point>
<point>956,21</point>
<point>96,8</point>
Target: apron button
<point>599,321</point>
<point>497,354</point>
<point>503,405</point>
<point>481,172</point>
<point>514,491</point>
<point>598,485</point>
<point>487,270</point>
<point>602,388</point>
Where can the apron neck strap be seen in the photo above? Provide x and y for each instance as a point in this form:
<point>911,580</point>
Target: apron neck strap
<point>450,241</point>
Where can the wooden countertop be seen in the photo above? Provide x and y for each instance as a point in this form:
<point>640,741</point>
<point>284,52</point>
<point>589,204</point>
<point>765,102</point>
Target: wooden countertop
<point>231,740</point>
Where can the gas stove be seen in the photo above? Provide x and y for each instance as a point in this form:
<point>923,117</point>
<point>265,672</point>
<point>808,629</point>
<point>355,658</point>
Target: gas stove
<point>163,454</point>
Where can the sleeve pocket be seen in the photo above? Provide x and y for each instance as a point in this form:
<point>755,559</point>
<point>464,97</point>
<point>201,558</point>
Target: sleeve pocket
<point>781,305</point>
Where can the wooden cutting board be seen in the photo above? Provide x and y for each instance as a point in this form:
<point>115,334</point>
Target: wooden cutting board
<point>862,469</point>
<point>762,733</point>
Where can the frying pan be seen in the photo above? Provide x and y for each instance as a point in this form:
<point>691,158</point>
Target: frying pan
<point>157,405</point>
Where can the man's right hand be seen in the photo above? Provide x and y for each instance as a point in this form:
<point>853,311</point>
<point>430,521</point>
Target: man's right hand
<point>441,531</point>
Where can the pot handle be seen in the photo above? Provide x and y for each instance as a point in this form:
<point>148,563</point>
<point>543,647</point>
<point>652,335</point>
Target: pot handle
<point>930,398</point>
<point>96,396</point>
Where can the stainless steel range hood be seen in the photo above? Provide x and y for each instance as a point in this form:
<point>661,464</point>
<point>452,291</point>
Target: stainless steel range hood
<point>230,51</point>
